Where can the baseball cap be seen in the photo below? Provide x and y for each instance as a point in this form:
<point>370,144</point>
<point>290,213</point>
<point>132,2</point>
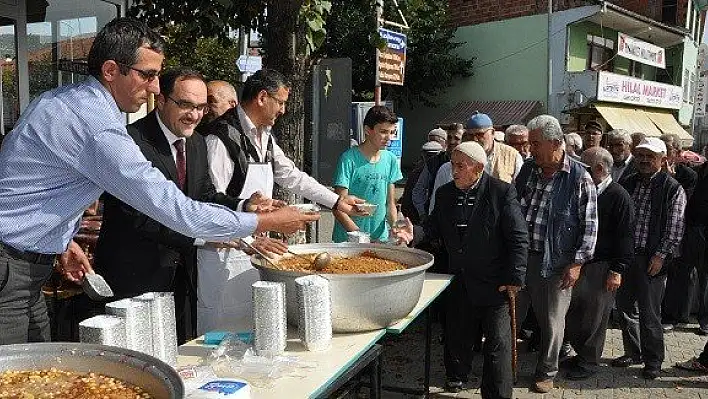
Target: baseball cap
<point>479,121</point>
<point>653,144</point>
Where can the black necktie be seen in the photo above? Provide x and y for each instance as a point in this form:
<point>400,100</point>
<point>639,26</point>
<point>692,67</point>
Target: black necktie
<point>181,164</point>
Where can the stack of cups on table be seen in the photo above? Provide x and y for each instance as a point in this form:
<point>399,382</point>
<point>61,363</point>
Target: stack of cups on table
<point>270,329</point>
<point>314,312</point>
<point>270,321</point>
<point>145,323</point>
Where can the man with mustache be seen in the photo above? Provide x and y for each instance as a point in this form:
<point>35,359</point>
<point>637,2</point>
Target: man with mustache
<point>619,143</point>
<point>659,203</point>
<point>135,253</point>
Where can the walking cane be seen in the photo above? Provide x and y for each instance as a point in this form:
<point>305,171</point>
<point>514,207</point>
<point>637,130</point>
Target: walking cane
<point>512,314</point>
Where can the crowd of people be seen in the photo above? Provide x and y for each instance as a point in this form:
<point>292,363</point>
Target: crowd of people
<point>574,226</point>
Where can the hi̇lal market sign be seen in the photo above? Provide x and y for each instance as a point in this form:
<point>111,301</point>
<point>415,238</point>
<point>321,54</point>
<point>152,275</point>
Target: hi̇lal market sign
<point>392,59</point>
<point>626,89</point>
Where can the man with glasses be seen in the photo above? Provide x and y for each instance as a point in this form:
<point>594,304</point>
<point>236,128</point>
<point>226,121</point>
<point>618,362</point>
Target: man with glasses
<point>137,254</point>
<point>619,143</point>
<point>517,136</point>
<point>244,158</point>
<point>592,136</point>
<point>71,145</point>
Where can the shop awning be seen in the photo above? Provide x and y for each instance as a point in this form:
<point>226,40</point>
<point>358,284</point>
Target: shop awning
<point>503,113</point>
<point>631,119</point>
<point>668,124</point>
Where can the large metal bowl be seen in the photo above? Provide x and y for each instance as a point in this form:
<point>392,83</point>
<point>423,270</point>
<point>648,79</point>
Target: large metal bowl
<point>150,374</point>
<point>360,302</point>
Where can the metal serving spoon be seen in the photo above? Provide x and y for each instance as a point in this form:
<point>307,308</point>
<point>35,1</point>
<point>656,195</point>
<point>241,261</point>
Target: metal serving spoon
<point>322,260</point>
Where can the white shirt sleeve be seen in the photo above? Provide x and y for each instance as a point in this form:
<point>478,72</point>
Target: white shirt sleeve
<point>443,177</point>
<point>519,164</point>
<point>289,177</point>
<point>221,167</point>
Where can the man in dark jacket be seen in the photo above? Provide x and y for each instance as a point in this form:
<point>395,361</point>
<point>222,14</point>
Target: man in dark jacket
<point>659,203</point>
<point>479,221</point>
<point>593,296</point>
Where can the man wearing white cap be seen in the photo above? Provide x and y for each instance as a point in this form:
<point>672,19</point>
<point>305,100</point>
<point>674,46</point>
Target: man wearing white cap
<point>659,203</point>
<point>503,161</point>
<point>439,136</point>
<point>428,150</point>
<point>481,226</point>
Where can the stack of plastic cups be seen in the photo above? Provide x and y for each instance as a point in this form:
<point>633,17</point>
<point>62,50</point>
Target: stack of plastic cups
<point>269,318</point>
<point>164,325</point>
<point>314,312</point>
<point>138,326</point>
<point>103,330</point>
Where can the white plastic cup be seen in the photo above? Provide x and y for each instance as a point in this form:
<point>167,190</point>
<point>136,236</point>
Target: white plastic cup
<point>358,237</point>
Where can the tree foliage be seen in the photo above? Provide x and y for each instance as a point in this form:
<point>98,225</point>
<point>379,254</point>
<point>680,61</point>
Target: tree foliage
<point>432,61</point>
<point>214,58</point>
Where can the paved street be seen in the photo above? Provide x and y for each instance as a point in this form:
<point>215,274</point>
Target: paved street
<point>403,366</point>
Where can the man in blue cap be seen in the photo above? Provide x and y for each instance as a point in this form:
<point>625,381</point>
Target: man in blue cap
<point>503,161</point>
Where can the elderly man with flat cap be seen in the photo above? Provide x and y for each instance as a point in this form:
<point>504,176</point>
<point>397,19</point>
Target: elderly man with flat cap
<point>480,223</point>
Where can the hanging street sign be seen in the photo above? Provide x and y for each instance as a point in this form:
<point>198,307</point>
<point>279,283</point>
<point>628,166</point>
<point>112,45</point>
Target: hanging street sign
<point>249,63</point>
<point>392,59</point>
<point>640,51</point>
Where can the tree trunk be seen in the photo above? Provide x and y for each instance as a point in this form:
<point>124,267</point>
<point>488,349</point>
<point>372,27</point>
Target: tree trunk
<point>283,37</point>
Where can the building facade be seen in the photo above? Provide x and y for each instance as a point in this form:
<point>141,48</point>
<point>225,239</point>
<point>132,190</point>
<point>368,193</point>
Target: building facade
<point>43,45</point>
<point>510,40</point>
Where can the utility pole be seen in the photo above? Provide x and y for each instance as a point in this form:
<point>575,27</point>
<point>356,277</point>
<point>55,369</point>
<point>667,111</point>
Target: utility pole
<point>377,85</point>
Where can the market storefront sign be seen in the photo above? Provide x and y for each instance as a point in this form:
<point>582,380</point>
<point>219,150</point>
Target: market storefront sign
<point>640,51</point>
<point>392,59</point>
<point>628,90</point>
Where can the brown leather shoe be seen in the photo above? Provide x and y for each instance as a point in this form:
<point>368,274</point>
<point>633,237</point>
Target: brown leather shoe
<point>543,386</point>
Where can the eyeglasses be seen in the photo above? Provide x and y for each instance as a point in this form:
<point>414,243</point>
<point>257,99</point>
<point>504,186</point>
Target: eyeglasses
<point>148,76</point>
<point>188,106</point>
<point>279,101</point>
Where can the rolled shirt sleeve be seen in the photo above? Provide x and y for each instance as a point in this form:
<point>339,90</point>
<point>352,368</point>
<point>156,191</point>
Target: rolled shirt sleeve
<point>289,177</point>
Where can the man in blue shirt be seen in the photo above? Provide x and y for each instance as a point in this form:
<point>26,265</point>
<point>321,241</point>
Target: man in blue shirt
<point>68,147</point>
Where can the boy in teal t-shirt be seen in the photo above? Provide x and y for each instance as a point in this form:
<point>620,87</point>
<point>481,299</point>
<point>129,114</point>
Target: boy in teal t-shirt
<point>368,171</point>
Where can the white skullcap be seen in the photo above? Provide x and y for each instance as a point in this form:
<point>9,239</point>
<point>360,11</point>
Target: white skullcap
<point>473,150</point>
<point>499,136</point>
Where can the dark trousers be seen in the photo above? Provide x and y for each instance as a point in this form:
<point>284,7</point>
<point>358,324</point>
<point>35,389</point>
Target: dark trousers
<point>463,326</point>
<point>702,276</point>
<point>589,312</point>
<point>23,309</point>
<point>681,285</point>
<point>639,303</point>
